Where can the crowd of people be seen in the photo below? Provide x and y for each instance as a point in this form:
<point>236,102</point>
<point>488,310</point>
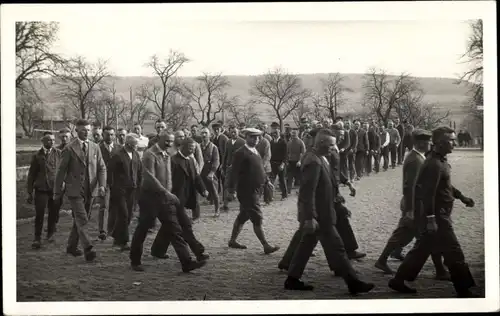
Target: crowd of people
<point>163,176</point>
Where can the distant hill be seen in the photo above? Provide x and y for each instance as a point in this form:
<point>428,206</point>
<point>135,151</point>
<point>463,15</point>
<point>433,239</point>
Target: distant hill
<point>442,91</point>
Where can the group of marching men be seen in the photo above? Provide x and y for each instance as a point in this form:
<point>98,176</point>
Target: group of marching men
<point>165,174</point>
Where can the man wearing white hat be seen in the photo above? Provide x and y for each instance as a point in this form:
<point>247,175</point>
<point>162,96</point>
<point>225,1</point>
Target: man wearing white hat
<point>247,179</point>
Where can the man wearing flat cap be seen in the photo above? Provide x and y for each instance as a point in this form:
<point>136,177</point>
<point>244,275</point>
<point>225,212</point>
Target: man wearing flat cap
<point>247,179</point>
<point>405,231</point>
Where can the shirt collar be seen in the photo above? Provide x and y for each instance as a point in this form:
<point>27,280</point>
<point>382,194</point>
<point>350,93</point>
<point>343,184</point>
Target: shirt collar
<point>182,155</point>
<point>163,152</point>
<point>418,152</point>
<point>252,149</point>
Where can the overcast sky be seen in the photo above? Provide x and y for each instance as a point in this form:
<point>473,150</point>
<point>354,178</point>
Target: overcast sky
<point>423,48</point>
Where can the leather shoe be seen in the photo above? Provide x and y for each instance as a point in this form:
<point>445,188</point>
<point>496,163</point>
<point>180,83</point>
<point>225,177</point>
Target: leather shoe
<point>74,252</point>
<point>356,255</point>
<point>269,249</point>
<point>281,266</point>
<point>90,255</point>
<point>158,256</point>
<point>202,257</point>
<point>384,267</point>
<point>297,285</point>
<point>102,235</point>
<point>137,267</point>
<point>235,245</point>
<point>36,244</point>
<point>356,287</point>
<point>193,265</point>
<point>401,287</point>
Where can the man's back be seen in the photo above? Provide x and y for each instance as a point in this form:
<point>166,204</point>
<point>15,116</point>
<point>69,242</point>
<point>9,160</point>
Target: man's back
<point>411,167</point>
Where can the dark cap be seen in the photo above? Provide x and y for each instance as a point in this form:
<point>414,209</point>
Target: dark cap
<point>64,130</point>
<point>215,125</point>
<point>275,124</point>
<point>421,134</point>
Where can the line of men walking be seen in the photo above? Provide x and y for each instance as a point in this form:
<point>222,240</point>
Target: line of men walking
<point>176,168</point>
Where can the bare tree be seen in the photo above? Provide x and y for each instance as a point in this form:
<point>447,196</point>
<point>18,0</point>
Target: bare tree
<point>301,112</point>
<point>242,113</point>
<point>207,97</point>
<point>137,109</point>
<point>79,83</point>
<point>332,95</point>
<point>161,95</point>
<point>427,116</point>
<point>384,96</point>
<point>33,50</point>
<point>281,91</point>
<point>474,53</point>
<point>29,107</point>
<point>107,106</point>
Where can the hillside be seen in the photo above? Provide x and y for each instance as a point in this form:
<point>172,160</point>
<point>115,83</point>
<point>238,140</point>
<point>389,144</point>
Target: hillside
<point>442,91</point>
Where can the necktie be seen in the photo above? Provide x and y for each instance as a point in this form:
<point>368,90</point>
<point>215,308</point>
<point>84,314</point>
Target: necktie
<point>84,148</point>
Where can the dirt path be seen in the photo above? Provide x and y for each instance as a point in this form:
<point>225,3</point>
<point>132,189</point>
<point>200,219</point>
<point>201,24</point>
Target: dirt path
<point>51,275</point>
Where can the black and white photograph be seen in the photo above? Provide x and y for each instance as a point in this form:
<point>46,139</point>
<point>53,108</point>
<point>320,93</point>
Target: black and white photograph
<point>249,158</point>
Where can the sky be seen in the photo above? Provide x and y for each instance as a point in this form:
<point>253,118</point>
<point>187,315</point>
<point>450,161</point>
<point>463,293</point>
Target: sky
<point>423,48</point>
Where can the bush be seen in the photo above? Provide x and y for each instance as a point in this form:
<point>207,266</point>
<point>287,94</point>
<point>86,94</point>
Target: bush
<point>23,158</point>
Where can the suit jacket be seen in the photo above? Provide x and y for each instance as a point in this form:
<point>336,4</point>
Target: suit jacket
<point>106,154</point>
<point>363,142</point>
<point>264,149</point>
<point>353,137</point>
<point>210,158</point>
<point>221,142</point>
<point>411,168</point>
<point>401,130</point>
<point>316,195</point>
<point>343,141</point>
<point>186,181</point>
<point>373,140</point>
<point>230,150</point>
<point>42,172</point>
<point>73,166</point>
<point>123,172</point>
<point>153,140</point>
<point>198,158</point>
<point>247,173</point>
<point>157,176</point>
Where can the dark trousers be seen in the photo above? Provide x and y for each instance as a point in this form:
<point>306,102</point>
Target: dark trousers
<point>368,163</point>
<point>196,212</point>
<point>360,163</point>
<point>444,241</point>
<point>212,186</point>
<point>122,203</point>
<point>268,194</point>
<point>376,161</point>
<point>351,159</point>
<point>393,149</point>
<point>187,233</point>
<point>401,153</point>
<point>292,174</point>
<point>43,200</point>
<point>344,228</point>
<point>276,172</point>
<point>154,206</point>
<point>384,152</point>
<point>344,169</point>
<point>334,251</point>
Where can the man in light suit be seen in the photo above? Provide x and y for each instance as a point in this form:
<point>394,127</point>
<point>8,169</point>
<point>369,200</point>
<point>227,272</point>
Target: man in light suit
<point>317,218</point>
<point>264,149</point>
<point>83,172</point>
<point>210,166</point>
<point>406,231</point>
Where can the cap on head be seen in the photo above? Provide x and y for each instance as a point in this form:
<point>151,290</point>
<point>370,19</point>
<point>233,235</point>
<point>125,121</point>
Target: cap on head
<point>64,130</point>
<point>421,134</point>
<point>252,131</point>
<point>275,125</point>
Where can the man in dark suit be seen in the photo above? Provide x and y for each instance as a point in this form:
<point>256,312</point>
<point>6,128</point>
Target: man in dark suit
<point>401,150</point>
<point>376,147</point>
<point>264,149</point>
<point>406,231</point>
<point>157,201</point>
<point>351,150</point>
<point>373,143</point>
<point>65,138</point>
<point>363,147</point>
<point>124,178</point>
<point>317,218</point>
<point>41,176</point>
<point>108,148</point>
<point>186,183</point>
<point>247,178</point>
<point>394,141</point>
<point>232,145</point>
<point>220,140</point>
<point>434,196</point>
<point>343,144</point>
<point>83,173</point>
<point>279,159</point>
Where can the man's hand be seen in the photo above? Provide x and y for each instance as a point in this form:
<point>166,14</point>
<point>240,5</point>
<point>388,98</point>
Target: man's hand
<point>282,166</point>
<point>310,226</point>
<point>431,225</point>
<point>210,175</point>
<point>205,193</point>
<point>298,163</point>
<point>468,201</point>
<point>29,200</point>
<point>101,191</point>
<point>367,152</point>
<point>56,196</point>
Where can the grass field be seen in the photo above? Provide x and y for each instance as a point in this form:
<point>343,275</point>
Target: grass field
<point>49,274</point>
